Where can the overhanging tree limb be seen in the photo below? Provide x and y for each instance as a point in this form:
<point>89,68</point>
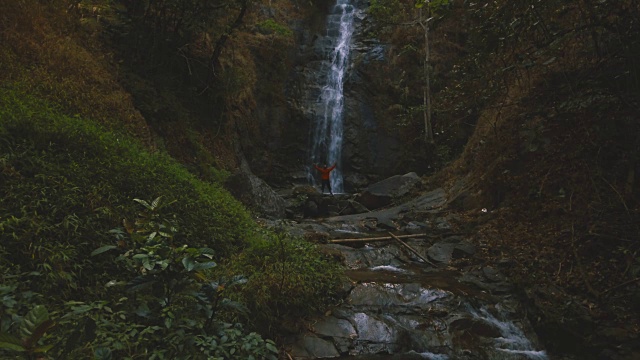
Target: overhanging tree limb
<point>214,63</point>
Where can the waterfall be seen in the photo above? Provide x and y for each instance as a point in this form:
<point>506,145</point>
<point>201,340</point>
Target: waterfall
<point>326,139</point>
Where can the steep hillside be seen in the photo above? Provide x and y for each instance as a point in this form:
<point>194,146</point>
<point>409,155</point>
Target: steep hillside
<point>554,159</point>
<point>110,247</point>
<point>52,52</point>
<point>537,102</point>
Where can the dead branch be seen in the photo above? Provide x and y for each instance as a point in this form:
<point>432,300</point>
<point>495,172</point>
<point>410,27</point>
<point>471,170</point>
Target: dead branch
<point>378,238</point>
<point>620,285</point>
<point>579,263</point>
<point>412,250</point>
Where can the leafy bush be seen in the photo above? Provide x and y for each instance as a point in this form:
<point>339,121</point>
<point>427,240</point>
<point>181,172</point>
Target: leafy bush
<point>65,179</point>
<point>288,280</point>
<point>167,305</point>
<point>64,182</point>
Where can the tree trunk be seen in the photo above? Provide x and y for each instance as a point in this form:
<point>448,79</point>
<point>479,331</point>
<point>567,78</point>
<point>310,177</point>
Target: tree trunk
<point>214,63</point>
<point>428,128</point>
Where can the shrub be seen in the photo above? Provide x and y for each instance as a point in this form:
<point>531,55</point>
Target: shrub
<point>288,280</point>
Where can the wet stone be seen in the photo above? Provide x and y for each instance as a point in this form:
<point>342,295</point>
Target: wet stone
<point>396,307</point>
<point>386,224</point>
<point>372,295</point>
<point>372,329</point>
<point>335,327</point>
<point>463,249</point>
<point>441,252</point>
<point>311,347</point>
<point>476,326</point>
<point>492,274</point>
<point>363,347</point>
<point>383,256</point>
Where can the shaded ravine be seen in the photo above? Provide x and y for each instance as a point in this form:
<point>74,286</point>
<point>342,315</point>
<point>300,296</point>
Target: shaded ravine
<point>398,307</point>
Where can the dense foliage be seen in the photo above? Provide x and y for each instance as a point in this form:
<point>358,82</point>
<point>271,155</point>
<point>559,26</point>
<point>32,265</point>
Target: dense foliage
<point>87,271</point>
<point>540,100</point>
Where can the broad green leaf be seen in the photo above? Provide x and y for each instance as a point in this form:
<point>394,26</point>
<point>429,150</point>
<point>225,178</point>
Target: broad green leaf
<point>140,283</point>
<point>156,202</point>
<point>204,265</point>
<point>34,318</point>
<point>234,305</point>
<point>42,349</point>
<point>271,347</point>
<point>144,203</point>
<point>102,354</point>
<point>207,251</point>
<point>147,264</point>
<point>143,310</point>
<point>102,249</point>
<point>189,263</point>
<point>10,346</point>
<point>9,339</point>
<point>163,264</point>
<point>238,280</point>
<point>73,302</point>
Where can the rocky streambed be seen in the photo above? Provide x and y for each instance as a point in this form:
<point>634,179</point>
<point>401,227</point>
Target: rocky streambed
<point>425,299</point>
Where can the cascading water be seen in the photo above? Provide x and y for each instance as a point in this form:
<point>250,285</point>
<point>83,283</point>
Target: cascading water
<point>326,139</point>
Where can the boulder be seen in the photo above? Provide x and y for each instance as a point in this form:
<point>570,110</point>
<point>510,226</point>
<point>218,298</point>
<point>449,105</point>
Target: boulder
<point>312,347</point>
<point>256,194</point>
<point>384,192</point>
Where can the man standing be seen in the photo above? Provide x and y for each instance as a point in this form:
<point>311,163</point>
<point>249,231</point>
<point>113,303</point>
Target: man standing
<point>325,176</point>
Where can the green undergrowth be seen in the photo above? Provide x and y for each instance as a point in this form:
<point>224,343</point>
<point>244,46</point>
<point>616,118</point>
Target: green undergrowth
<point>290,281</point>
<point>57,169</point>
<point>108,251</point>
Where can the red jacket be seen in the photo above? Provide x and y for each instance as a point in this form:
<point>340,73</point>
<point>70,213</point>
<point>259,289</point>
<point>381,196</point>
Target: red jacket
<point>324,172</point>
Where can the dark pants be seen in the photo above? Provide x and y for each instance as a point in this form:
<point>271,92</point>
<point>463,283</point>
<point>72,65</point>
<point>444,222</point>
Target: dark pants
<point>326,183</point>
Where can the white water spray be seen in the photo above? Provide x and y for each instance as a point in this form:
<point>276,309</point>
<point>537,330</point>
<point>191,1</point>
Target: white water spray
<point>513,344</point>
<point>326,141</point>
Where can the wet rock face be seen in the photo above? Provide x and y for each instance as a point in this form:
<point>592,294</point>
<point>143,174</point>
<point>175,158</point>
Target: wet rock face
<point>370,152</point>
<point>384,192</point>
<point>256,195</point>
<point>399,306</point>
<point>402,308</point>
<point>306,201</point>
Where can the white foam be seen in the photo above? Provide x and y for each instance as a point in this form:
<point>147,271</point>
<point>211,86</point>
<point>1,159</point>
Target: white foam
<point>513,339</point>
<point>532,354</point>
<point>432,356</point>
<point>389,268</point>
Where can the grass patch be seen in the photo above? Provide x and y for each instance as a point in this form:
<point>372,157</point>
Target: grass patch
<point>288,279</point>
<point>65,182</point>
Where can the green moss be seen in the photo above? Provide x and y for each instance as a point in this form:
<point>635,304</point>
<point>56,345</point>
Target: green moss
<point>65,182</point>
<point>271,26</point>
<point>288,278</point>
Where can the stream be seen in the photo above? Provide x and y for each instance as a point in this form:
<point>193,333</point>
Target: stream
<point>400,307</point>
<point>397,305</point>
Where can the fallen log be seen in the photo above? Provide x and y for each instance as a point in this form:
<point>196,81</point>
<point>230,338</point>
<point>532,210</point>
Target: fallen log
<point>412,250</point>
<point>379,238</point>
